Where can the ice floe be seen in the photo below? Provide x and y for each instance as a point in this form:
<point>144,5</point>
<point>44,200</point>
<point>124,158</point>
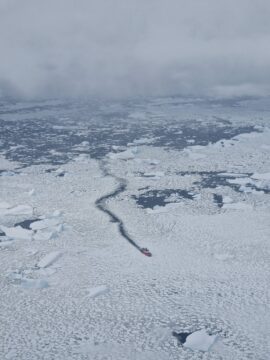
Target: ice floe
<point>34,283</point>
<point>264,176</point>
<point>17,232</point>
<point>227,200</point>
<point>194,155</point>
<point>143,141</point>
<point>16,210</point>
<point>49,259</point>
<point>124,155</point>
<point>48,227</point>
<point>45,224</point>
<point>97,291</point>
<point>237,206</point>
<point>4,205</point>
<point>200,340</point>
<point>156,174</point>
<point>60,172</point>
<point>223,257</point>
<point>32,192</point>
<point>5,244</point>
<point>82,158</point>
<point>44,235</point>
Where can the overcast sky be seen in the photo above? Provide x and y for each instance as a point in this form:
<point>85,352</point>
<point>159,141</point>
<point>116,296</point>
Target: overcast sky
<point>134,47</point>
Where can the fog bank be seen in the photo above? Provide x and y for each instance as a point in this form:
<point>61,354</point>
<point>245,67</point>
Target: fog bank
<point>119,48</point>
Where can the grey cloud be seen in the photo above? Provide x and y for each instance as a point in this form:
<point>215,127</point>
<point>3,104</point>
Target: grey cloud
<point>134,47</point>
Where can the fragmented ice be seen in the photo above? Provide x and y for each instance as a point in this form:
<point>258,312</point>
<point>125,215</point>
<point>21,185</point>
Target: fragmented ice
<point>187,179</point>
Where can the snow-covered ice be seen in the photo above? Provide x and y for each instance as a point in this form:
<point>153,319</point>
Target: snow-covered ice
<point>124,155</point>
<point>237,206</point>
<point>17,232</point>
<point>44,224</point>
<point>227,200</point>
<point>200,340</point>
<point>97,291</point>
<point>16,210</point>
<point>6,244</point>
<point>34,283</point>
<point>49,259</point>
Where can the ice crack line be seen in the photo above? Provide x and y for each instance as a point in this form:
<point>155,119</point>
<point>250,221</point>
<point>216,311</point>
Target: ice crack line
<point>102,206</point>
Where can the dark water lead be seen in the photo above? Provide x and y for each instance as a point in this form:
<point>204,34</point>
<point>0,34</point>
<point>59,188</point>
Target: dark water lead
<point>101,205</point>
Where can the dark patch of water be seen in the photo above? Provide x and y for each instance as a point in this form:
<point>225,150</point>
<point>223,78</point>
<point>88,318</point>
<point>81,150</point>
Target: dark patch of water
<point>181,337</point>
<point>218,199</point>
<point>53,139</point>
<point>101,205</point>
<point>153,198</point>
<point>212,180</point>
<point>26,223</point>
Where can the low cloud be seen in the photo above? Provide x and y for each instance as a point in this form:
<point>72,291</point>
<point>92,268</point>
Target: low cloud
<point>122,48</point>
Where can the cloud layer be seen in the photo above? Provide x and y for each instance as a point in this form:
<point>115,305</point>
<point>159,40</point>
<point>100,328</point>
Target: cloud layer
<point>134,47</point>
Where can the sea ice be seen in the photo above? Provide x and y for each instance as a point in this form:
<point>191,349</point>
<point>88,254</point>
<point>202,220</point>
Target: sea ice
<point>264,176</point>
<point>154,174</point>
<point>44,235</point>
<point>227,200</point>
<point>5,244</point>
<point>223,257</point>
<point>56,213</point>
<point>200,340</point>
<point>49,259</point>
<point>34,283</point>
<point>31,192</point>
<point>99,290</point>
<point>44,224</point>
<point>196,156</point>
<point>17,210</point>
<point>237,206</point>
<point>124,155</point>
<point>82,158</point>
<point>4,205</point>
<point>17,232</point>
